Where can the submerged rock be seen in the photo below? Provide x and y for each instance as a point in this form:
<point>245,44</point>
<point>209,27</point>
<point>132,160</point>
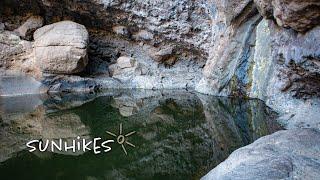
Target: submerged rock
<point>67,84</point>
<point>289,154</point>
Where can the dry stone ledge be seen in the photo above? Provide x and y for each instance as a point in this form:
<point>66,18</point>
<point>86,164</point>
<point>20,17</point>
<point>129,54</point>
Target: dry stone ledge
<point>61,48</point>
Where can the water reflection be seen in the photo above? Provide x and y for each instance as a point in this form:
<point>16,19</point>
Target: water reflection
<point>180,135</point>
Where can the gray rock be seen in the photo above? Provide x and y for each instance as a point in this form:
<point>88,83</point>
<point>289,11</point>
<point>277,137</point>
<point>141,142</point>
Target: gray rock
<point>16,55</point>
<point>143,35</point>
<point>285,72</point>
<point>227,72</point>
<point>183,26</point>
<point>125,62</point>
<point>263,63</point>
<point>26,30</point>
<point>296,14</point>
<point>123,66</point>
<point>290,154</point>
<point>1,26</point>
<point>161,54</point>
<point>120,30</point>
<point>63,83</point>
<point>61,48</point>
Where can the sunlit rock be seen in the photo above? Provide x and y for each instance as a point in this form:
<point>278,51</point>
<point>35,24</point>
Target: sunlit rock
<point>61,48</point>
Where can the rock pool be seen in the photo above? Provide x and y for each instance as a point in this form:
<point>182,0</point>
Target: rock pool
<point>179,135</point>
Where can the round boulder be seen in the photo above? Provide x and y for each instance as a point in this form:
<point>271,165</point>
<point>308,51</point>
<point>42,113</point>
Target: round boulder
<point>61,48</point>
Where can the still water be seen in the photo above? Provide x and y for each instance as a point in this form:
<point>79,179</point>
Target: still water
<point>179,135</point>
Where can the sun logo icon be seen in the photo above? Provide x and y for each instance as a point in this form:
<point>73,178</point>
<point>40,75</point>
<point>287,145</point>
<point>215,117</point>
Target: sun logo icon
<point>122,139</point>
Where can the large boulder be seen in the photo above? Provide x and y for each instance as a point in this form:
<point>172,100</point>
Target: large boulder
<point>296,14</point>
<point>61,48</point>
<point>291,154</point>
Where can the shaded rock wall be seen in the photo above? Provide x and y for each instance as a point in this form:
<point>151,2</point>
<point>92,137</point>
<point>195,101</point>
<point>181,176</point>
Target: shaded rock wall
<point>260,59</point>
<point>285,73</point>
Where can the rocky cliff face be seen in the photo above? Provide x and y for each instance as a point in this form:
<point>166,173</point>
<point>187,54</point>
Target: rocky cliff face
<point>266,49</point>
<point>169,44</point>
<point>275,59</point>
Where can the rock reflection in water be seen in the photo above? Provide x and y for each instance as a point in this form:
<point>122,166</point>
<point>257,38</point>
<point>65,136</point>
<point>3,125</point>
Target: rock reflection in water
<point>180,135</point>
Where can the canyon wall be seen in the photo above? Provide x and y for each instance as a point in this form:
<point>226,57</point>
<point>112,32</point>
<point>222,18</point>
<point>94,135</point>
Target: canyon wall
<point>275,59</point>
<point>266,49</point>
